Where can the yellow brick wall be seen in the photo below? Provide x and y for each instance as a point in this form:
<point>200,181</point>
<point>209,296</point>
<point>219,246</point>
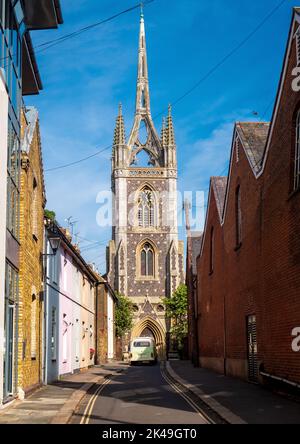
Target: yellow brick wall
<point>31,267</point>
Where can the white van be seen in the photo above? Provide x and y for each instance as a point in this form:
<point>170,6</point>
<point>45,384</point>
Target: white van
<point>143,350</point>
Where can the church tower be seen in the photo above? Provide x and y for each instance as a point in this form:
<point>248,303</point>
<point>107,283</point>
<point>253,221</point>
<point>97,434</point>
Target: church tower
<point>145,258</point>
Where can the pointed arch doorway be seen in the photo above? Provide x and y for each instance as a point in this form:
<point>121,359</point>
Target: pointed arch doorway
<point>148,327</point>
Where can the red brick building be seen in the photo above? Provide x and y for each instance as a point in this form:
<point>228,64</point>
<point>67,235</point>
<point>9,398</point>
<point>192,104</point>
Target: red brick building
<point>249,264</point>
<point>194,240</point>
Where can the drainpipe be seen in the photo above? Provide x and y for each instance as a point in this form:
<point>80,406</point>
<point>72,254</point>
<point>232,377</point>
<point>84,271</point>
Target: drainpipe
<point>277,378</point>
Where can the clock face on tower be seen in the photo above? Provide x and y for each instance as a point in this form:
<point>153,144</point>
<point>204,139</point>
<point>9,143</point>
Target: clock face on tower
<point>145,258</point>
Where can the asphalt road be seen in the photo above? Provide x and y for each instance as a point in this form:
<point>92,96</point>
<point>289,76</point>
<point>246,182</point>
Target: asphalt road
<point>140,395</point>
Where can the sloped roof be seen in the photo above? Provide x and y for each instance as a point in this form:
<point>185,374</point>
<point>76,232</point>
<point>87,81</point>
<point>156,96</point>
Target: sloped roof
<point>32,118</point>
<point>196,238</point>
<point>254,137</point>
<point>219,185</point>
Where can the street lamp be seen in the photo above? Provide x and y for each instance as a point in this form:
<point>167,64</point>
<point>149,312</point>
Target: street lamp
<point>54,244</point>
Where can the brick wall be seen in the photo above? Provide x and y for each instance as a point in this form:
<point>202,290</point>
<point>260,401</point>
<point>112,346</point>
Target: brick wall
<point>261,277</point>
<point>281,239</point>
<point>101,325</point>
<point>31,267</point>
<point>211,293</point>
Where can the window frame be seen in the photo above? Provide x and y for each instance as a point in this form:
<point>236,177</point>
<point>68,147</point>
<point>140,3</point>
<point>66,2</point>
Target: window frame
<point>146,211</point>
<point>139,272</point>
<point>147,250</point>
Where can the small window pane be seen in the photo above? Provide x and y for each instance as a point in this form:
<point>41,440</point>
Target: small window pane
<point>143,263</point>
<point>150,263</point>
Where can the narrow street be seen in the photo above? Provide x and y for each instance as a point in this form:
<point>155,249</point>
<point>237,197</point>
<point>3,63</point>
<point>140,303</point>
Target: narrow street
<point>140,395</point>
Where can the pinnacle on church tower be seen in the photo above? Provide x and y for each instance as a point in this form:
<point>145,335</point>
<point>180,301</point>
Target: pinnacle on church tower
<point>170,129</point>
<point>163,133</point>
<point>119,136</point>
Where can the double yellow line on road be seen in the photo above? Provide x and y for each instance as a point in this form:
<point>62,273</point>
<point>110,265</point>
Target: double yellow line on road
<point>176,387</point>
<point>90,406</point>
<point>184,395</point>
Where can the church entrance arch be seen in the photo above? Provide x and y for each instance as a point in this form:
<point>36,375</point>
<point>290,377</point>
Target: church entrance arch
<point>150,328</point>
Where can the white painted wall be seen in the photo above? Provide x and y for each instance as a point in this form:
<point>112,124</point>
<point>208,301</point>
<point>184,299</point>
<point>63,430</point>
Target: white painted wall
<point>3,197</point>
<point>110,327</point>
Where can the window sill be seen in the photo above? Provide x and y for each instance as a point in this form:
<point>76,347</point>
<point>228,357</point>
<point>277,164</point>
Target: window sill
<point>147,279</point>
<point>145,230</point>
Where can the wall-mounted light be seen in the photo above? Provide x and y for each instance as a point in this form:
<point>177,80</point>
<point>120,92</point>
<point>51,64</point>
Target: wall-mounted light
<point>54,242</point>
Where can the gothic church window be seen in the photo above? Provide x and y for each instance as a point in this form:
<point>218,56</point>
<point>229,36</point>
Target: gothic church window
<point>147,261</point>
<point>146,209</point>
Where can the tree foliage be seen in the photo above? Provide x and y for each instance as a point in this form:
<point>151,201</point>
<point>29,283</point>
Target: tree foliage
<point>177,311</point>
<point>123,316</point>
<point>50,215</point>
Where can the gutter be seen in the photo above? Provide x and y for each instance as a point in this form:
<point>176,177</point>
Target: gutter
<point>33,61</point>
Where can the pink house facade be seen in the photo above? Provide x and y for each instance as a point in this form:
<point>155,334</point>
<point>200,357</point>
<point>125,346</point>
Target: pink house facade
<point>69,331</point>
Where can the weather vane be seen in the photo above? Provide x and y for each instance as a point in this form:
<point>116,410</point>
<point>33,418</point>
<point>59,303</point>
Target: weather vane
<point>142,9</point>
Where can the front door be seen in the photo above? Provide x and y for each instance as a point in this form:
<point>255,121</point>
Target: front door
<point>8,351</point>
<point>252,349</point>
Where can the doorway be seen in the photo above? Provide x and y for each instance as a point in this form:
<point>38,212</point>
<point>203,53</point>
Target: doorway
<point>252,349</point>
<point>8,366</point>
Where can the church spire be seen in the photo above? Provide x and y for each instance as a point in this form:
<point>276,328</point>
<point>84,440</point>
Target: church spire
<point>143,95</point>
<point>142,108</point>
<point>119,136</point>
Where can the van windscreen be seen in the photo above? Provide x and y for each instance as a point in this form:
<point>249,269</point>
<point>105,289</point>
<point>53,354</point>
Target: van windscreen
<point>141,344</point>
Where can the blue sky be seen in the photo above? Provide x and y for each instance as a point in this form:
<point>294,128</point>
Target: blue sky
<point>86,77</point>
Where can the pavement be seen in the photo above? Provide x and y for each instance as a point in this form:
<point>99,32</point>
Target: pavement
<point>56,403</point>
<point>236,401</point>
